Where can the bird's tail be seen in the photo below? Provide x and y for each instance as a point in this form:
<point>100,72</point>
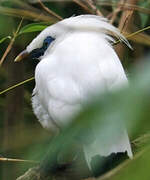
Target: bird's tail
<point>106,146</point>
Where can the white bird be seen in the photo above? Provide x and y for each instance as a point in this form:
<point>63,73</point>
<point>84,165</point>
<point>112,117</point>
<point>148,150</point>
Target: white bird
<point>76,59</point>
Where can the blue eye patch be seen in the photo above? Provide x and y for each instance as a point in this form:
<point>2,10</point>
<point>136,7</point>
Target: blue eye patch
<point>47,42</point>
<point>36,53</point>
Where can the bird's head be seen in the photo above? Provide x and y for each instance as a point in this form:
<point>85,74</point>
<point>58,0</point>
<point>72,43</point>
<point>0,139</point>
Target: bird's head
<point>49,37</point>
<point>42,43</point>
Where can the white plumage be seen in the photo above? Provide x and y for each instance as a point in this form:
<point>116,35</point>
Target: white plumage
<point>77,64</point>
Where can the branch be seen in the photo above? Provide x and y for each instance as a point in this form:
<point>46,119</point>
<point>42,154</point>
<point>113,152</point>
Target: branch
<point>86,8</point>
<point>115,13</point>
<point>126,21</point>
<point>11,43</point>
<point>125,6</point>
<point>49,11</point>
<point>33,174</point>
<point>92,4</point>
<point>27,14</point>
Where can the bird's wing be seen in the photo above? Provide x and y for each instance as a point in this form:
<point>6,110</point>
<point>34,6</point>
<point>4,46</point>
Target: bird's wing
<point>58,93</point>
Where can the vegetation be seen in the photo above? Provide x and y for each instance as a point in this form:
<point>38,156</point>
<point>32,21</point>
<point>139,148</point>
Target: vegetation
<point>24,142</point>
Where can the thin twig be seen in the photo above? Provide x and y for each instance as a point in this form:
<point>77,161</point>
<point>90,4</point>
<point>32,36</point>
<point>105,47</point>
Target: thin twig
<point>126,6</point>
<point>17,160</point>
<point>17,85</point>
<point>137,32</point>
<point>27,14</point>
<point>11,43</point>
<point>86,8</point>
<point>133,34</point>
<point>115,13</point>
<point>93,7</point>
<point>49,11</point>
<point>126,18</point>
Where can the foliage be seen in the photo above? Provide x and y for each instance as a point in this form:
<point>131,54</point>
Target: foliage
<point>34,27</point>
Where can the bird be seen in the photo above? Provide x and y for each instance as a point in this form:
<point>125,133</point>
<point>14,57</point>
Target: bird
<point>76,58</point>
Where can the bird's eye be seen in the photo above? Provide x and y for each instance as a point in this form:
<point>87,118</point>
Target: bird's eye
<point>48,41</point>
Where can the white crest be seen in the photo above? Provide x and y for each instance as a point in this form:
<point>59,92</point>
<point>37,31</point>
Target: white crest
<point>85,23</point>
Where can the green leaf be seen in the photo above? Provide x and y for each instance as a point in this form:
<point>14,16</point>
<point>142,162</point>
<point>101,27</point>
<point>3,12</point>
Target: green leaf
<point>34,27</point>
<point>3,39</point>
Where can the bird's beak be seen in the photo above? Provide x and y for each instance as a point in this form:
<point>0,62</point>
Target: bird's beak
<point>21,56</point>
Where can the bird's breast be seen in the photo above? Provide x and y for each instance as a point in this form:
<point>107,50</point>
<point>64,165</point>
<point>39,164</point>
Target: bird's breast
<point>78,67</point>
